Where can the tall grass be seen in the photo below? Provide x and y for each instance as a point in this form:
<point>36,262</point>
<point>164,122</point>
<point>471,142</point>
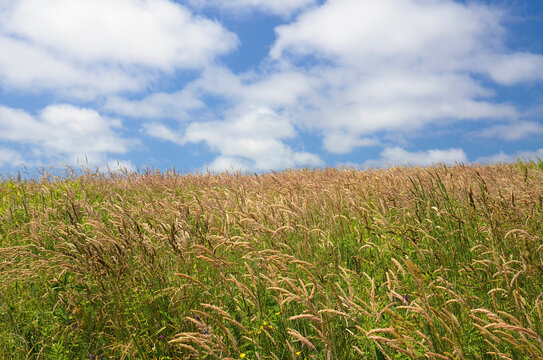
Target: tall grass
<point>404,263</point>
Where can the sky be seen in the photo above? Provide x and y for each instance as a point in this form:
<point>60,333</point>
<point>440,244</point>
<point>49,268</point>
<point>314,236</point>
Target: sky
<point>260,85</point>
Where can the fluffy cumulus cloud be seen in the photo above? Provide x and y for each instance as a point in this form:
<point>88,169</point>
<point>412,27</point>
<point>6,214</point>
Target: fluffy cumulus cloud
<point>250,139</point>
<point>513,131</point>
<point>396,65</point>
<point>281,90</point>
<point>398,156</point>
<point>91,47</point>
<point>250,134</point>
<point>511,69</point>
<point>63,133</point>
<point>10,157</point>
<point>163,132</point>
<point>402,32</point>
<point>339,142</point>
<point>353,71</point>
<point>277,7</point>
<point>155,106</point>
<point>356,73</point>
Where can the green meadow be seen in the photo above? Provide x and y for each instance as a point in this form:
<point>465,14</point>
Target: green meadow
<point>402,263</point>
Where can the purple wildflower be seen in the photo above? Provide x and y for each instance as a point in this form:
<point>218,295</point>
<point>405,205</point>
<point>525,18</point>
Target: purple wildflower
<point>404,299</point>
<point>204,330</point>
<point>161,337</point>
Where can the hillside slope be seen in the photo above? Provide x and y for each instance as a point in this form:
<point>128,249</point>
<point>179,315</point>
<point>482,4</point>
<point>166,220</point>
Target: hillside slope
<point>404,263</point>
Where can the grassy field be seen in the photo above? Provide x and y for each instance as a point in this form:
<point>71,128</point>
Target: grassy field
<point>403,263</point>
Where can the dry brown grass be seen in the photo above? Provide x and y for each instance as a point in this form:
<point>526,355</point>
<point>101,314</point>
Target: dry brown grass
<point>403,263</point>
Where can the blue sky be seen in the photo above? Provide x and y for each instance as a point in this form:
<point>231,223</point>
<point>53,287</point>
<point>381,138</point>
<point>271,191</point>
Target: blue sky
<point>268,84</point>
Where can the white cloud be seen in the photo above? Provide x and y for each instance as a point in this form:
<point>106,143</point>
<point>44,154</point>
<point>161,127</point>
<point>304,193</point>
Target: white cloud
<point>374,67</point>
<point>515,68</point>
<point>397,156</point>
<point>128,32</point>
<point>157,105</point>
<point>282,89</point>
<point>342,143</point>
<point>351,71</point>
<point>249,134</point>
<point>228,163</point>
<point>366,32</point>
<point>251,139</point>
<point>513,131</point>
<point>277,90</point>
<point>64,133</point>
<point>162,132</point>
<point>218,80</point>
<point>18,68</point>
<point>102,46</point>
<point>502,157</point>
<point>278,7</point>
<point>10,157</point>
<point>361,105</point>
<point>399,65</point>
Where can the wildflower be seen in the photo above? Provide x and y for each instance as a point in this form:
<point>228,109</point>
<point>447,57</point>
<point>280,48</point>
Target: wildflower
<point>242,355</point>
<point>404,299</point>
<point>298,353</point>
<point>265,323</point>
<point>204,330</point>
<point>161,337</point>
<point>259,332</point>
<point>278,313</point>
